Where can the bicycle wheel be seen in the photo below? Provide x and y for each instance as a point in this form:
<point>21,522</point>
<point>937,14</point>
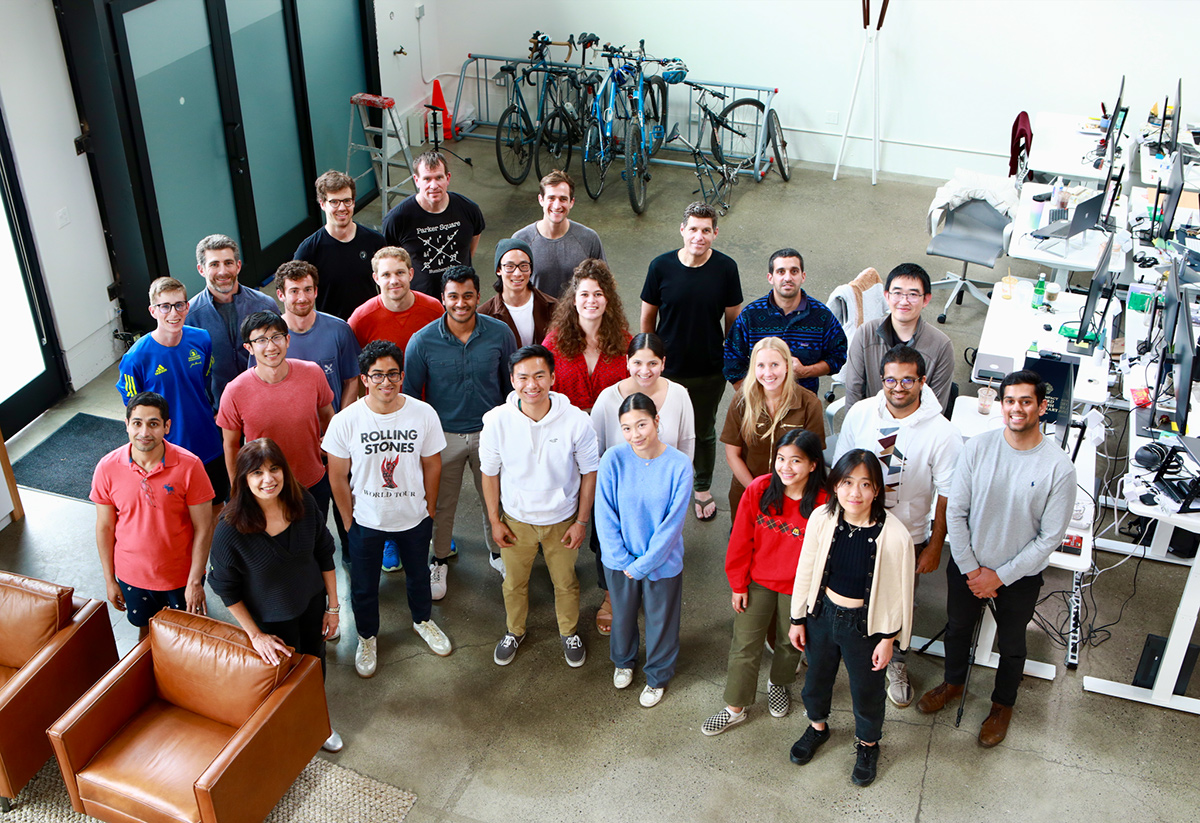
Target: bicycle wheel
<point>635,167</point>
<point>735,142</point>
<point>553,147</point>
<point>778,145</point>
<point>655,106</point>
<point>595,163</point>
<point>514,145</point>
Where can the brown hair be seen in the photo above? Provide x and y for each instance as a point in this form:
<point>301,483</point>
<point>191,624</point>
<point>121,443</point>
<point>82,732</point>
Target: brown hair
<point>570,339</point>
<point>430,160</point>
<point>391,251</point>
<point>165,284</point>
<point>332,181</point>
<point>295,270</point>
<point>701,211</point>
<point>554,178</point>
<point>243,511</point>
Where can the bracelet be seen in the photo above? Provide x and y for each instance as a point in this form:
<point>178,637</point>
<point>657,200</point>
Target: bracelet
<point>334,610</point>
<point>797,621</point>
<point>581,522</point>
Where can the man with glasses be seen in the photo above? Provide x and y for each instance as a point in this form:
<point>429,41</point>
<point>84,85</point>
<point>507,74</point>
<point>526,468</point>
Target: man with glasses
<point>286,400</point>
<point>222,306</point>
<point>813,335</point>
<point>175,360</point>
<point>918,448</point>
<point>907,291</point>
<point>341,249</point>
<point>384,467</point>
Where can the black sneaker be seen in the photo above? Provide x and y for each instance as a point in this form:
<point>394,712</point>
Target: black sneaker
<point>864,764</point>
<point>573,650</point>
<point>804,748</point>
<point>506,649</point>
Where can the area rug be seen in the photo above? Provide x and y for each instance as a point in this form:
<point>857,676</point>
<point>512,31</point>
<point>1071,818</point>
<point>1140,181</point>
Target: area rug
<point>63,463</point>
<point>323,793</point>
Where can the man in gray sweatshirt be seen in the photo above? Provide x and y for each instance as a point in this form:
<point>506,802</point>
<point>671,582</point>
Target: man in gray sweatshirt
<point>1010,504</point>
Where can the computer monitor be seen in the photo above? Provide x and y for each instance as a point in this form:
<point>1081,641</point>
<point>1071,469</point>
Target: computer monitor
<point>1174,190</point>
<point>1172,299</point>
<point>1112,190</point>
<point>1185,365</point>
<point>1116,122</point>
<point>1176,116</point>
<point>1085,336</point>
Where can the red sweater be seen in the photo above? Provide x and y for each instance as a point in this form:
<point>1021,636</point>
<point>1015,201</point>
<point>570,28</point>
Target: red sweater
<point>765,548</point>
<point>572,379</point>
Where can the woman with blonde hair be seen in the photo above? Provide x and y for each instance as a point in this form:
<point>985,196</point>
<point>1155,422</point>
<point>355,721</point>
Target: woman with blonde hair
<point>588,335</point>
<point>769,404</point>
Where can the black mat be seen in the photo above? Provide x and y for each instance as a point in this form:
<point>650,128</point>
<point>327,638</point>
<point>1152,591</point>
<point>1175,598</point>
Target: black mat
<point>63,463</point>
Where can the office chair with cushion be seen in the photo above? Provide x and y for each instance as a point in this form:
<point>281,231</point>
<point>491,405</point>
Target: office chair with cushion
<point>191,725</point>
<point>853,304</point>
<point>53,648</point>
<point>974,232</point>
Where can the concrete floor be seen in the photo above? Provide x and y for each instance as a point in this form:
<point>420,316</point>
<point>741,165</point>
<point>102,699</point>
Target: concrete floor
<point>541,741</point>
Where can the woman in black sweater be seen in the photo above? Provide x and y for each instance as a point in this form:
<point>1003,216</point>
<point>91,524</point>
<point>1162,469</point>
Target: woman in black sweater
<point>272,561</point>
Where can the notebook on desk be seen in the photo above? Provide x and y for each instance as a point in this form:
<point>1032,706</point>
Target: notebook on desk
<point>1086,215</point>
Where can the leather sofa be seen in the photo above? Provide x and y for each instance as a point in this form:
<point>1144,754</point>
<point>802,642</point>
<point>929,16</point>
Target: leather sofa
<point>192,726</point>
<point>53,648</point>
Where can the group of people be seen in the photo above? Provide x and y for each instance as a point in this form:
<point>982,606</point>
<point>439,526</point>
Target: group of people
<point>386,376</point>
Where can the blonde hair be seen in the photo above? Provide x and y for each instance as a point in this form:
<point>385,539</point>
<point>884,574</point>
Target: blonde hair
<point>754,397</point>
<point>165,284</point>
<point>391,251</point>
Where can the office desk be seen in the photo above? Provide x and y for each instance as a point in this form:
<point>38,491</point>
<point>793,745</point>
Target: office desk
<point>1080,253</point>
<point>1060,149</point>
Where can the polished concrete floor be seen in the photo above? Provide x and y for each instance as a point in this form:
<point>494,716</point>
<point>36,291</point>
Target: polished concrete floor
<point>540,741</point>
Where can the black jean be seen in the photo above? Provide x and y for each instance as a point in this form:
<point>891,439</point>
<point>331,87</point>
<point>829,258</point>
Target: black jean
<point>1014,609</point>
<point>303,633</point>
<point>835,635</point>
<point>366,554</point>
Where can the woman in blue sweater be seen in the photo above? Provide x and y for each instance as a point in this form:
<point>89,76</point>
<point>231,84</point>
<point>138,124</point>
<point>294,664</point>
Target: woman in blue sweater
<point>642,497</point>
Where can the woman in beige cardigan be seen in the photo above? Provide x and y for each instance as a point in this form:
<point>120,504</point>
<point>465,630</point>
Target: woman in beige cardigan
<point>852,598</point>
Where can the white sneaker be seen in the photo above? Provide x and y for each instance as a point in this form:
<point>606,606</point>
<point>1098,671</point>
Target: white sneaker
<point>898,689</point>
<point>497,563</point>
<point>434,636</point>
<point>651,696</point>
<point>334,743</point>
<point>337,634</point>
<point>366,658</point>
<point>437,580</point>
<point>622,678</point>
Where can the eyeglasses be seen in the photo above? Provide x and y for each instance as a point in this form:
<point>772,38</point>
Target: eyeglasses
<point>277,339</point>
<point>345,201</point>
<point>906,296</point>
<point>906,382</point>
<point>509,268</point>
<point>166,308</point>
<point>392,376</point>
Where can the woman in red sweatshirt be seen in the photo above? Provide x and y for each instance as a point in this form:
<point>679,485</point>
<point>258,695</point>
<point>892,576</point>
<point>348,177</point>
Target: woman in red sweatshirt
<point>764,549</point>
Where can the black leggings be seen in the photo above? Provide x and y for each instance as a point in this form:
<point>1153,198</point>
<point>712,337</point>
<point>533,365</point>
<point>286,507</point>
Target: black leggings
<point>303,633</point>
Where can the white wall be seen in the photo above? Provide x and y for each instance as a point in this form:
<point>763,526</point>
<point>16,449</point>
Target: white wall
<point>954,73</point>
<point>35,93</point>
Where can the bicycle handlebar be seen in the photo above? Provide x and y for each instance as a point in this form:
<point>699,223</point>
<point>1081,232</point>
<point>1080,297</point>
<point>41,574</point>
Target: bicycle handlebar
<point>706,90</point>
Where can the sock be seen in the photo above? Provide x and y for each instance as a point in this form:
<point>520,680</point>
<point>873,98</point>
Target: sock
<point>440,561</point>
<point>495,555</point>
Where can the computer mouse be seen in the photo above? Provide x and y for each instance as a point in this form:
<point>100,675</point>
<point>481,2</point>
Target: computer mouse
<point>1148,499</point>
<point>1047,327</point>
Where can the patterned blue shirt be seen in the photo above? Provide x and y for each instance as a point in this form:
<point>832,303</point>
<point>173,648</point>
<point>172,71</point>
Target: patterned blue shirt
<point>811,332</point>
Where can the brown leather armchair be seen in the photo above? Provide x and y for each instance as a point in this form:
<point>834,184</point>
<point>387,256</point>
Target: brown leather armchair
<point>53,648</point>
<point>191,725</point>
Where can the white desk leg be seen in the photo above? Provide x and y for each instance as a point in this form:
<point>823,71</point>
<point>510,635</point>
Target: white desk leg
<point>990,658</point>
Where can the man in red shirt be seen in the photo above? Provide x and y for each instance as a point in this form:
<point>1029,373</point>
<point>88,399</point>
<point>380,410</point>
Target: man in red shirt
<point>153,518</point>
<point>398,312</point>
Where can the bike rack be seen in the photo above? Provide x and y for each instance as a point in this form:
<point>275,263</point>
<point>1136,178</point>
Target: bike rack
<point>485,86</point>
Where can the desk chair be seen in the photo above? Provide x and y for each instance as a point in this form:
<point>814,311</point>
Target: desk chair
<point>974,232</point>
<point>853,304</point>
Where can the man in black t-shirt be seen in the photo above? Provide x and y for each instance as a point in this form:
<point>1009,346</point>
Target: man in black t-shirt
<point>687,295</point>
<point>341,249</point>
<point>438,228</point>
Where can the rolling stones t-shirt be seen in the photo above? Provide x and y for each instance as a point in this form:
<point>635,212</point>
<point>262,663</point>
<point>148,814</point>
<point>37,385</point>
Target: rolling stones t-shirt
<point>385,452</point>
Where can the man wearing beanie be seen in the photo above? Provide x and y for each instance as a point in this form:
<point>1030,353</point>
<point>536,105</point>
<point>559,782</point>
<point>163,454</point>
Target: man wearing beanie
<point>524,308</point>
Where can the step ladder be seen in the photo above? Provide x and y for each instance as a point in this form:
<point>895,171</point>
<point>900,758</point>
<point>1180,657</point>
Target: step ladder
<point>381,146</point>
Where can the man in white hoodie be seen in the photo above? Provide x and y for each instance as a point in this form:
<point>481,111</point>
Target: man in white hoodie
<point>903,425</point>
<point>546,451</point>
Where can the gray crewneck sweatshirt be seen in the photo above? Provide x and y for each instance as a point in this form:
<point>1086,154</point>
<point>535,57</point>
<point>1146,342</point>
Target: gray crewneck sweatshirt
<point>1009,509</point>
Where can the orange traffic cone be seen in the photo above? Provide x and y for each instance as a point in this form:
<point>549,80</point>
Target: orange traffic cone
<point>439,100</point>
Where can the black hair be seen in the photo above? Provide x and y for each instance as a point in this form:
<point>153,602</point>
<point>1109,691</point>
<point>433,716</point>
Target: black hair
<point>531,352</point>
<point>1024,377</point>
<point>647,340</point>
<point>902,354</point>
<point>637,402</point>
<point>784,252</point>
<point>459,274</point>
<point>841,470</point>
<point>809,444</point>
<point>149,398</point>
<point>262,320</point>
<point>909,270</point>
<point>377,350</point>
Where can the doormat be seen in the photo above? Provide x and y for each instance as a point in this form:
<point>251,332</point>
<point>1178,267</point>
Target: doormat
<point>63,463</point>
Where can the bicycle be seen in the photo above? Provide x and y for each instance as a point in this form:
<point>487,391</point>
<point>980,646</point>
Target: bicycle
<point>564,126</point>
<point>736,145</point>
<point>648,114</point>
<point>516,131</point>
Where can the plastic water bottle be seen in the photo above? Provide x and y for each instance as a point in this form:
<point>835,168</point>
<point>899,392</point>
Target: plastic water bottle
<point>1039,292</point>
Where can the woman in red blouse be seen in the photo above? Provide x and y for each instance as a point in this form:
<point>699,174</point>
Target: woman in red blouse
<point>764,550</point>
<point>588,335</point>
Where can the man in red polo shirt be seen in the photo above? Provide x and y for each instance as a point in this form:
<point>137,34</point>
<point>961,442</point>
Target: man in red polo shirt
<point>153,518</point>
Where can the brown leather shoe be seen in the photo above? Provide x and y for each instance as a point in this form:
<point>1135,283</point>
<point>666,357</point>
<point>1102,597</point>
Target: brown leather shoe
<point>936,698</point>
<point>994,729</point>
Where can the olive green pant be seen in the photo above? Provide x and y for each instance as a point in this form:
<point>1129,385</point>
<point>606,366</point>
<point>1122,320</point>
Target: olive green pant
<point>746,649</point>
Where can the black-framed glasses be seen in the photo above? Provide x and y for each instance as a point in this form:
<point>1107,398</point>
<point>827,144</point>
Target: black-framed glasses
<point>392,376</point>
<point>345,201</point>
<point>509,268</point>
<point>277,339</point>
<point>906,382</point>
<point>180,306</point>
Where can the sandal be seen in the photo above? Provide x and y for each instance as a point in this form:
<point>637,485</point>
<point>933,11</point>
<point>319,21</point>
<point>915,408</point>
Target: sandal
<point>604,617</point>
<point>702,504</point>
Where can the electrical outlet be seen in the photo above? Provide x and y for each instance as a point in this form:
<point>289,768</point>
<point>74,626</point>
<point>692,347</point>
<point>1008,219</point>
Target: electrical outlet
<point>831,118</point>
<point>420,10</point>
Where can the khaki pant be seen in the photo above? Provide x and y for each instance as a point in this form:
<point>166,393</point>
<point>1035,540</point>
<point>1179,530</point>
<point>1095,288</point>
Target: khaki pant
<point>461,452</point>
<point>763,607</point>
<point>518,565</point>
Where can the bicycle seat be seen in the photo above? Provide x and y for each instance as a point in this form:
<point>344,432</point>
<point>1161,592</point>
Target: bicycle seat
<point>592,79</point>
<point>587,40</point>
<point>673,135</point>
<point>509,69</point>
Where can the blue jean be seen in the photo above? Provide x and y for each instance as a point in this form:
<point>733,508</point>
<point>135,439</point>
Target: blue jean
<point>366,555</point>
<point>837,635</point>
<point>662,600</point>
